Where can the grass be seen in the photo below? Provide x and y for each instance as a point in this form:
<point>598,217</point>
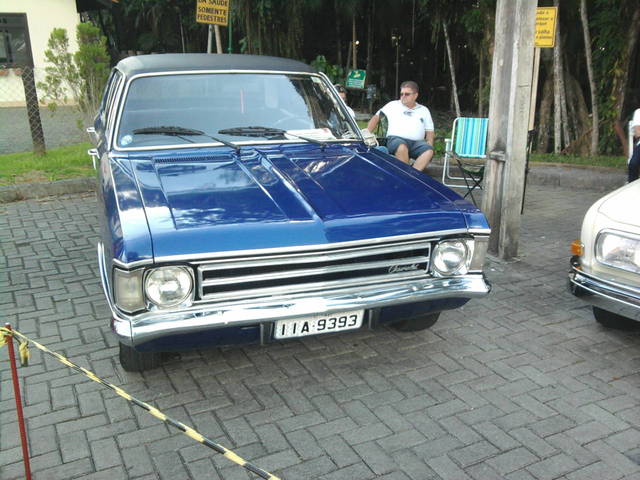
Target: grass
<point>58,163</point>
<point>72,161</point>
<point>598,161</point>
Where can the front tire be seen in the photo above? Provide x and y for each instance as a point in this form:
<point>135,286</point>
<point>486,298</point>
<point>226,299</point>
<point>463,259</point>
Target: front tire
<point>613,320</point>
<point>134,361</point>
<point>415,324</point>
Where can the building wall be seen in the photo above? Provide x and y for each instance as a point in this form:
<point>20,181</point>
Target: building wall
<point>42,17</point>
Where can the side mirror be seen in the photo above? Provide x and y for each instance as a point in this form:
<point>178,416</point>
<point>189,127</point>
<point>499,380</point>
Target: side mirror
<point>93,152</point>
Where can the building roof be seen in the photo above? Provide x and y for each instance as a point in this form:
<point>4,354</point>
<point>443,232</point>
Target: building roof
<point>171,62</point>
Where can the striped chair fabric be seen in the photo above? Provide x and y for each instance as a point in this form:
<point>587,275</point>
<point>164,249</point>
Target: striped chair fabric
<point>468,141</point>
<point>471,137</point>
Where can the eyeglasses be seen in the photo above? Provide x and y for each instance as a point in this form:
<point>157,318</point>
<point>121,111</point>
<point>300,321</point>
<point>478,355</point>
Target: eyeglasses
<point>407,94</point>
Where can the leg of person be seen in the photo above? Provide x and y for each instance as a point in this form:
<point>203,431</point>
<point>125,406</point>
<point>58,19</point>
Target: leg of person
<point>402,153</point>
<point>398,147</point>
<point>423,153</point>
<point>634,164</point>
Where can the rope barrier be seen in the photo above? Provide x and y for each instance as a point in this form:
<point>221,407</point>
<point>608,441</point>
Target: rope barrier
<point>187,430</point>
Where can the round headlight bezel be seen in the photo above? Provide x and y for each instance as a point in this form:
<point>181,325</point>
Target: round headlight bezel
<point>440,249</point>
<point>182,274</point>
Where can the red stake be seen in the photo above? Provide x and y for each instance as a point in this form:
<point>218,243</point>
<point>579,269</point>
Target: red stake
<point>16,394</point>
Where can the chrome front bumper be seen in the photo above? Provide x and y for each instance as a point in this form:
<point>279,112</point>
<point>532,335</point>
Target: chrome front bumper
<point>609,296</point>
<point>135,330</point>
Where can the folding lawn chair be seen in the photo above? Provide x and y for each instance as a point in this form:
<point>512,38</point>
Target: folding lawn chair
<point>469,141</point>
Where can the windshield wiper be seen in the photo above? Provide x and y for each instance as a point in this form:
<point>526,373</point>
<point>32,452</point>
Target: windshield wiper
<point>266,132</point>
<point>181,132</point>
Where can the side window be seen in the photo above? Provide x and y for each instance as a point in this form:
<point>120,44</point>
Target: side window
<point>108,99</point>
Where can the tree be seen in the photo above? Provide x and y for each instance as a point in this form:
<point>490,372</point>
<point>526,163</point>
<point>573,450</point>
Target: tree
<point>452,70</point>
<point>457,73</point>
<point>595,135</point>
<point>559,101</point>
<point>621,74</point>
<point>271,27</point>
<point>615,58</point>
<point>82,75</point>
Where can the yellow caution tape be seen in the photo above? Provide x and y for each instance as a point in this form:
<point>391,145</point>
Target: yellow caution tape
<point>188,431</point>
<point>23,349</point>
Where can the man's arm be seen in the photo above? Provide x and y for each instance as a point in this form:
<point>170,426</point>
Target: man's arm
<point>430,136</point>
<point>373,123</point>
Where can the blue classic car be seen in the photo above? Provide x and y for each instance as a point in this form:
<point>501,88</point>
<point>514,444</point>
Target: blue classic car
<point>240,204</point>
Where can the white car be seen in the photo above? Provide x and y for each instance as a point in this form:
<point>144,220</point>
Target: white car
<point>605,268</point>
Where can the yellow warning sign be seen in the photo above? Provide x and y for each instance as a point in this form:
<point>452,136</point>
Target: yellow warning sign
<point>546,27</point>
<point>215,12</point>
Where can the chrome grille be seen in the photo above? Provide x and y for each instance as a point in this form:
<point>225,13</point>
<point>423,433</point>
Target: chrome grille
<point>256,276</point>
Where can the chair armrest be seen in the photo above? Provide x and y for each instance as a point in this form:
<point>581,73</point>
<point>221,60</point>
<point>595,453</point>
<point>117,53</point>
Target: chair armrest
<point>447,144</point>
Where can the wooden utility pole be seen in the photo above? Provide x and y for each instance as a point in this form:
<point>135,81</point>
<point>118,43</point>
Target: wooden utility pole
<point>216,29</point>
<point>511,78</point>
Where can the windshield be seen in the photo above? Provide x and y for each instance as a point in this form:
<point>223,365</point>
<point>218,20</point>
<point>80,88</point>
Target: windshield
<point>222,105</point>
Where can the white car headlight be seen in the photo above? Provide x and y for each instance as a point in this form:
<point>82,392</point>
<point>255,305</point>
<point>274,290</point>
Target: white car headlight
<point>168,286</point>
<point>450,257</point>
<point>618,250</point>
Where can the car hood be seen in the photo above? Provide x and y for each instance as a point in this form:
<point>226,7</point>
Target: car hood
<point>618,205</point>
<point>272,197</point>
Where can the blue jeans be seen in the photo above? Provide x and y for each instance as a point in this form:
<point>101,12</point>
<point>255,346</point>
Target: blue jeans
<point>415,147</point>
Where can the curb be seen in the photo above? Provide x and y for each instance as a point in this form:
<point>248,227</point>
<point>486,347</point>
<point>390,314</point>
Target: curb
<point>26,191</point>
<point>573,177</point>
<point>549,174</point>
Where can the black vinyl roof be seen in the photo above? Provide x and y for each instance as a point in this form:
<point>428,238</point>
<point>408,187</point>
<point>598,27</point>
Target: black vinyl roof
<point>172,62</point>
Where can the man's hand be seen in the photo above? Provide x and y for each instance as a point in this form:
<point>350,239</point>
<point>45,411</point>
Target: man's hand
<point>373,123</point>
<point>430,137</point>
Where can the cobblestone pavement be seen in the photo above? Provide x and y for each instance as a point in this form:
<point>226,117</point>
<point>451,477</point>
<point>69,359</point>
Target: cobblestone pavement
<point>523,384</point>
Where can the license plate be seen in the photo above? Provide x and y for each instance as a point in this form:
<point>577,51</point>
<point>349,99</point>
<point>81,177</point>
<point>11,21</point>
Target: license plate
<point>318,324</point>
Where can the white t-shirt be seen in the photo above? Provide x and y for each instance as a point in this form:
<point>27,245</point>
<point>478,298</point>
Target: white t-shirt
<point>351,112</point>
<point>405,122</point>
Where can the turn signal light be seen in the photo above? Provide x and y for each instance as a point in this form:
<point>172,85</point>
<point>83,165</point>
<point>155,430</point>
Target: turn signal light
<point>577,248</point>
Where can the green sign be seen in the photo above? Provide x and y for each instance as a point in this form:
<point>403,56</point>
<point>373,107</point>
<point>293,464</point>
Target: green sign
<point>356,78</point>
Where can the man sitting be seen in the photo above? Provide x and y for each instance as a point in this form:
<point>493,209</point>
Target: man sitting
<point>409,125</point>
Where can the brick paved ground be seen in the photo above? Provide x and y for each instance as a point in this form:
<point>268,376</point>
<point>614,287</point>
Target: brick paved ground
<point>520,385</point>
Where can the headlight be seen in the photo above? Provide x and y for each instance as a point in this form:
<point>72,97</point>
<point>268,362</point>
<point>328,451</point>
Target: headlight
<point>127,290</point>
<point>619,250</point>
<point>450,257</point>
<point>168,286</point>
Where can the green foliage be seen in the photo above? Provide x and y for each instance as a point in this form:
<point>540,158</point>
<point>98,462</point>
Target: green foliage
<point>271,27</point>
<point>335,72</point>
<point>82,75</point>
<point>58,163</point>
<point>62,75</point>
<point>608,45</point>
<point>92,61</point>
